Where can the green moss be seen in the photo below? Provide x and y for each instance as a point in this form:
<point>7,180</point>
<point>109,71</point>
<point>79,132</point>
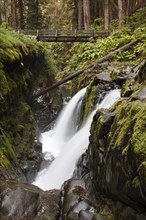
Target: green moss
<point>128,131</point>
<point>135,82</point>
<point>138,139</point>
<point>25,66</point>
<point>135,183</point>
<point>90,99</point>
<point>6,150</point>
<point>123,122</point>
<point>142,171</point>
<point>106,213</point>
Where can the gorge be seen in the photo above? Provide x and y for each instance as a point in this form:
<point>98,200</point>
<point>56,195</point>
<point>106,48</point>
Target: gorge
<point>92,158</point>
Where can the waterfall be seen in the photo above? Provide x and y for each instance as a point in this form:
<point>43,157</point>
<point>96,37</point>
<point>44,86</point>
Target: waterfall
<point>53,140</point>
<point>67,143</point>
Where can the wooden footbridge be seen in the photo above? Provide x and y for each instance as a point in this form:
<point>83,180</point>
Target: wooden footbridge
<point>65,35</point>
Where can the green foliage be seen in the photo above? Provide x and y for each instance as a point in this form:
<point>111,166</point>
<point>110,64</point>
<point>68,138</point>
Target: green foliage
<point>34,16</point>
<point>4,87</point>
<point>85,53</point>
<point>138,18</point>
<point>98,24</point>
<point>6,151</point>
<point>25,65</point>
<point>14,48</point>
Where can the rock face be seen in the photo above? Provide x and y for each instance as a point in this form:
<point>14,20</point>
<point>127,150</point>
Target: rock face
<point>77,204</point>
<point>117,150</point>
<point>46,108</point>
<point>27,202</point>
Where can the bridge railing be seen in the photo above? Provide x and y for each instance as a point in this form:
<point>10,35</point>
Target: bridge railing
<point>62,33</point>
<point>65,35</point>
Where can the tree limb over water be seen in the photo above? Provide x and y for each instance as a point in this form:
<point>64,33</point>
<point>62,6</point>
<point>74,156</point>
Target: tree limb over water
<point>77,73</point>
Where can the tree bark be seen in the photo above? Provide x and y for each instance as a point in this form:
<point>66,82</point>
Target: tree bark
<point>70,77</point>
<point>80,14</point>
<point>13,14</point>
<point>21,14</point>
<point>87,16</point>
<point>106,15</point>
<point>5,11</point>
<point>0,14</point>
<point>96,13</point>
<point>121,6</point>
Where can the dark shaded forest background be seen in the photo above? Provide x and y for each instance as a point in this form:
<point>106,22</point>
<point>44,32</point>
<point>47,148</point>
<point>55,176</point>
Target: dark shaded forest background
<point>66,14</point>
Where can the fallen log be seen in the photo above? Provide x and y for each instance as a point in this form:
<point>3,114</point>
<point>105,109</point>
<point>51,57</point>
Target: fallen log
<point>73,75</point>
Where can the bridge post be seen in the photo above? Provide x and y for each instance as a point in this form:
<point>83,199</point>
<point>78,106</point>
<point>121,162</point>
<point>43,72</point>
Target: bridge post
<point>56,35</point>
<point>37,35</point>
<point>94,34</point>
<point>75,33</point>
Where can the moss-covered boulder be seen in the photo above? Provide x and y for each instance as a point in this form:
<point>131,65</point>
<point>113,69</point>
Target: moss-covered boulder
<point>117,149</point>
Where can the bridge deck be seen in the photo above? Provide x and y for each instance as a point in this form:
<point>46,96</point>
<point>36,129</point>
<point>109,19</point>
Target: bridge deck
<point>65,35</point>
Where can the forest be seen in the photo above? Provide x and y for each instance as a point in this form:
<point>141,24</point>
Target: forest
<point>66,14</point>
<point>76,151</point>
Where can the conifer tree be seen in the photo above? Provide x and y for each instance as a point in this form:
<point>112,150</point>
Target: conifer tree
<point>33,14</point>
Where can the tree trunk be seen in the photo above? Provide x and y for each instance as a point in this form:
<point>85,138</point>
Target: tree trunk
<point>80,14</point>
<point>127,10</point>
<point>0,14</point>
<point>87,17</point>
<point>74,15</point>
<point>106,15</point>
<point>96,13</point>
<point>121,6</point>
<point>5,10</point>
<point>21,14</point>
<point>13,14</point>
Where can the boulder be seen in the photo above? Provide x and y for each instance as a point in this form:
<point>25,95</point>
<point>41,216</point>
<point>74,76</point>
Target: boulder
<point>117,155</point>
<point>24,201</point>
<point>76,200</point>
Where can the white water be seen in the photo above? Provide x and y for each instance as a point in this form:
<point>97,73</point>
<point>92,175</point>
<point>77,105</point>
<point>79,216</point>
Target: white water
<point>65,128</point>
<point>66,143</point>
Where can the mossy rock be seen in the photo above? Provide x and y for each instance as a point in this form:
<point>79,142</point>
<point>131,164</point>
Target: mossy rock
<point>90,99</point>
<point>118,153</point>
<point>135,81</point>
<point>104,214</point>
<point>25,66</point>
<point>130,123</point>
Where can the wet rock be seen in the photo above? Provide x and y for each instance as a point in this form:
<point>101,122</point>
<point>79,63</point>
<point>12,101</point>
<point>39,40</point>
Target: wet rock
<point>128,213</point>
<point>104,77</point>
<point>98,218</point>
<point>47,160</point>
<point>85,215</point>
<point>117,153</point>
<point>23,201</point>
<point>46,108</point>
<point>30,162</point>
<point>76,199</point>
<point>141,217</point>
<point>141,94</point>
<point>82,167</point>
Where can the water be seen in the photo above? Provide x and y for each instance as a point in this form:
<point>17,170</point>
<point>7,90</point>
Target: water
<point>66,143</point>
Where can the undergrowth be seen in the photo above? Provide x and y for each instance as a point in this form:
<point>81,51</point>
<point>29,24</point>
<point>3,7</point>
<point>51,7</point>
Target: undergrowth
<point>79,55</point>
<point>25,66</point>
